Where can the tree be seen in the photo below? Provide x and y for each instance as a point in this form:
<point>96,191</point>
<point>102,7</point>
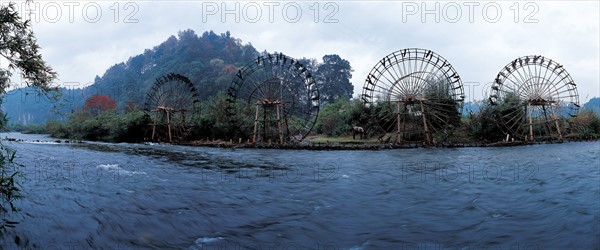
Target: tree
<point>310,63</point>
<point>99,103</point>
<point>333,79</point>
<point>19,47</point>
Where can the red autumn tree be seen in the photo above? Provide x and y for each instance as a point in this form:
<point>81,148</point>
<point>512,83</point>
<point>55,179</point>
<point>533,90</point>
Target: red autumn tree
<point>99,103</point>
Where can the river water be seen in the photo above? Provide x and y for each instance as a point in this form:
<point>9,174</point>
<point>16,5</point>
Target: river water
<point>137,196</point>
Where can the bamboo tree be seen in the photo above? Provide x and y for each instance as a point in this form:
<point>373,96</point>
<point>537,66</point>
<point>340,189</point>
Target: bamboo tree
<point>18,46</point>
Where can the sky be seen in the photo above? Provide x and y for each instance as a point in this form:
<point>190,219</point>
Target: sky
<point>83,39</point>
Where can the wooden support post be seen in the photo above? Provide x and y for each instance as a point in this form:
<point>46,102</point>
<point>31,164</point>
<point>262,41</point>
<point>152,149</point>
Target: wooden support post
<point>265,125</point>
<point>154,124</point>
<point>278,106</point>
<point>530,122</point>
<point>403,126</point>
<point>255,123</point>
<point>427,136</point>
<point>398,135</point>
<point>169,125</point>
<point>555,118</point>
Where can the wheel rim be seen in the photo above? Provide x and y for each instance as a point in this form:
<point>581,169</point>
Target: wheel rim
<point>533,95</point>
<point>171,104</point>
<point>273,99</point>
<point>413,94</point>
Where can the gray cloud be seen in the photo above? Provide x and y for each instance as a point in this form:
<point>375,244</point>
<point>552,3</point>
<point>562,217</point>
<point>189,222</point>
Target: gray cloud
<point>478,44</point>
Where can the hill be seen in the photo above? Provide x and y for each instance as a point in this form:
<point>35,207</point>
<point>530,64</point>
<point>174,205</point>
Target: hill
<point>593,105</point>
<point>30,106</point>
<point>210,61</point>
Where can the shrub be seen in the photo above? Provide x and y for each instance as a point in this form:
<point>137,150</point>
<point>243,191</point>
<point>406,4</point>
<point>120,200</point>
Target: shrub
<point>484,125</point>
<point>585,125</point>
<point>107,126</point>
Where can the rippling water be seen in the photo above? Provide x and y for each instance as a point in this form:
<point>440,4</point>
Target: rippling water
<point>136,196</point>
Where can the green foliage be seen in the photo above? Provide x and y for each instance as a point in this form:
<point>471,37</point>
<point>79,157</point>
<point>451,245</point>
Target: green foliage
<point>338,118</point>
<point>511,111</point>
<point>57,129</point>
<point>331,121</point>
<point>26,129</point>
<point>484,125</point>
<point>107,126</point>
<point>586,125</point>
<point>213,122</point>
<point>382,113</point>
<point>333,78</point>
<point>10,188</point>
<point>442,104</point>
<point>19,47</point>
<point>133,126</point>
<point>208,60</point>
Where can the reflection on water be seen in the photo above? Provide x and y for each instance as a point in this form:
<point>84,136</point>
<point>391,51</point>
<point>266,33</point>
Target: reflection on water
<point>127,196</point>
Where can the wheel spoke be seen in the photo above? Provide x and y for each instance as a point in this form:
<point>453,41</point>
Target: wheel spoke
<point>533,93</point>
<point>413,93</point>
<point>273,97</point>
<point>171,104</point>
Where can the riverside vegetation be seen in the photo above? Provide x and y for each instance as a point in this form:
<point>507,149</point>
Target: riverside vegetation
<point>110,109</point>
<point>334,124</point>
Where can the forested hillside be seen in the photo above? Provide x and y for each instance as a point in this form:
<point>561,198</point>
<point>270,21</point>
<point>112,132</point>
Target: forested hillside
<point>209,60</point>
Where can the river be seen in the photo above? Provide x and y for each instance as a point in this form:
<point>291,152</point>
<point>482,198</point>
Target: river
<point>140,196</point>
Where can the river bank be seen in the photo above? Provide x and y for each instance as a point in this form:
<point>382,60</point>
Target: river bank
<point>334,145</point>
<point>365,145</point>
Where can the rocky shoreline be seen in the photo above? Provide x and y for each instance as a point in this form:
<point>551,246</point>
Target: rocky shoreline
<point>57,141</point>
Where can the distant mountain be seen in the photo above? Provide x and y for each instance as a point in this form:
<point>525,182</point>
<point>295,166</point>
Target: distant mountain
<point>593,105</point>
<point>471,107</point>
<point>31,106</point>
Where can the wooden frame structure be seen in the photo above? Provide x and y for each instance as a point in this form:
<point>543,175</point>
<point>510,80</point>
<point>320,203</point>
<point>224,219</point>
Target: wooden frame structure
<point>265,106</point>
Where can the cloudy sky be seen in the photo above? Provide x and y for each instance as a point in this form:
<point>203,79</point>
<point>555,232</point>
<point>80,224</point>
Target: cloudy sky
<point>82,39</point>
